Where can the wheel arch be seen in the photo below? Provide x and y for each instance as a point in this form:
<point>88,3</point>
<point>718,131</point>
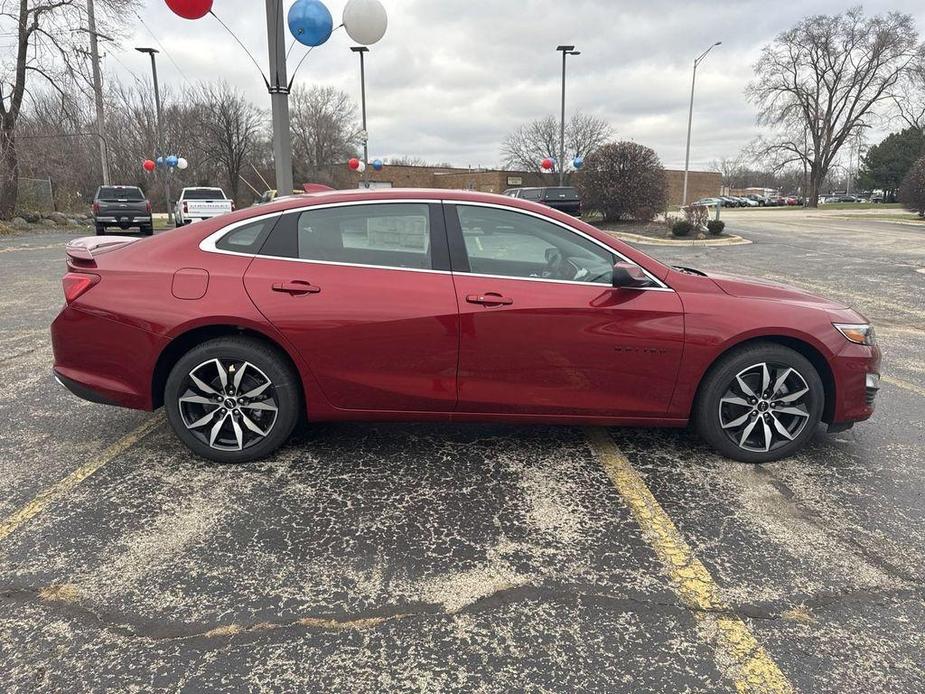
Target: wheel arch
<point>802,347</point>
<point>184,341</point>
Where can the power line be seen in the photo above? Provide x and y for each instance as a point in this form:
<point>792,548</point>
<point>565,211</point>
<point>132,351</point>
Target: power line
<point>166,52</point>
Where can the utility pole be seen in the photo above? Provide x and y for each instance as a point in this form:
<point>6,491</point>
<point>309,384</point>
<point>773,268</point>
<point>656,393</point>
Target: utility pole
<point>279,97</point>
<point>98,90</point>
<point>159,151</point>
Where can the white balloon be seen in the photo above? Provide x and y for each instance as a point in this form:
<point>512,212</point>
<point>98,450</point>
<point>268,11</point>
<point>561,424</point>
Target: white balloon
<point>182,163</point>
<point>365,21</point>
<point>362,166</point>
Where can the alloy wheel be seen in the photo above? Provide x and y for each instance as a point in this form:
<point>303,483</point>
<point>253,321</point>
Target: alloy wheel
<point>766,406</point>
<point>228,405</point>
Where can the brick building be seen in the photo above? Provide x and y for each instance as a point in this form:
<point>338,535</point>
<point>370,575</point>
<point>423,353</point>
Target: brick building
<point>700,184</point>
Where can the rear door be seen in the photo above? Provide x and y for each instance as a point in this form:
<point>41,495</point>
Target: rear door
<point>542,329</point>
<point>365,294</point>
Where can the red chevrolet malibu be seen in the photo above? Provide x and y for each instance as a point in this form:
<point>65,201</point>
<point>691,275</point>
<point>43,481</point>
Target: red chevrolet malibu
<point>446,306</point>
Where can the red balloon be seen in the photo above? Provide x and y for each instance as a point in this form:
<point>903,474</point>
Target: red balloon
<point>190,9</point>
<point>547,164</point>
<point>149,165</point>
<point>354,163</point>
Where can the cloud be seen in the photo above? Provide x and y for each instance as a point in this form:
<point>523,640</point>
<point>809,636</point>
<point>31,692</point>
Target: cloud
<point>453,77</point>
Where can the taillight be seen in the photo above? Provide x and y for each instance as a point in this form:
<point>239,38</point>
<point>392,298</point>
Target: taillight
<point>185,207</point>
<point>96,207</point>
<point>233,208</point>
<point>148,206</point>
<point>76,284</point>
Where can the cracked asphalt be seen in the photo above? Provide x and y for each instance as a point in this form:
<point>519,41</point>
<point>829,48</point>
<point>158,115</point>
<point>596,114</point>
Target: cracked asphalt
<point>421,557</point>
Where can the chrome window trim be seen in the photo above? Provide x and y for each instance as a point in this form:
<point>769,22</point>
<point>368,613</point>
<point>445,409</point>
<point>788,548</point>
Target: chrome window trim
<point>662,287</point>
<point>208,244</point>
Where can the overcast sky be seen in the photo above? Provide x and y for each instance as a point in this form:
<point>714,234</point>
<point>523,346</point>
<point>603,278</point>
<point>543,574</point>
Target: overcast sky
<point>452,77</point>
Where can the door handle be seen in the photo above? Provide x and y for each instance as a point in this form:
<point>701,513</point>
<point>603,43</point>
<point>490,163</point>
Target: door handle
<point>296,287</point>
<point>489,299</point>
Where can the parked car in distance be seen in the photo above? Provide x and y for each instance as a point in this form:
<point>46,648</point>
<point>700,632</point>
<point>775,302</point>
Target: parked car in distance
<point>562,198</point>
<point>196,204</point>
<point>445,305</point>
<point>121,206</point>
<point>709,202</point>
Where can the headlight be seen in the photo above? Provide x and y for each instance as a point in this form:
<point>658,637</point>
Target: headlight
<point>859,333</point>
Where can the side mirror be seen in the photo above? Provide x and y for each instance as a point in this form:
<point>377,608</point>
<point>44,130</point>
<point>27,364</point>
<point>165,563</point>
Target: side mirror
<point>629,275</point>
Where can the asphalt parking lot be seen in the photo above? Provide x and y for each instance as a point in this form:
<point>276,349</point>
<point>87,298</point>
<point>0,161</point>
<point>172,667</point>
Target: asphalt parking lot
<point>479,558</point>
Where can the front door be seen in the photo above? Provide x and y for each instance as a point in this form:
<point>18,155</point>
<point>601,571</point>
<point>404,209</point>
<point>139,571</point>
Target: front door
<point>365,295</point>
<point>542,329</point>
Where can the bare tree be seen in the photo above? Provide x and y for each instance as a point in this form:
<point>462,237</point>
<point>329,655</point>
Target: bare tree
<point>532,142</point>
<point>909,97</point>
<point>229,130</point>
<point>324,128</point>
<point>731,171</point>
<point>822,81</point>
<point>48,47</point>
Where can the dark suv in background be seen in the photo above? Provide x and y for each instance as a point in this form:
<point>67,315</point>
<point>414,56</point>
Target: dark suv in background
<point>123,207</point>
<point>564,199</point>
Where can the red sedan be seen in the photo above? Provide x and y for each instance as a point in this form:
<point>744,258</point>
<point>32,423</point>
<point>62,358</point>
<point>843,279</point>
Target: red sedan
<point>446,306</point>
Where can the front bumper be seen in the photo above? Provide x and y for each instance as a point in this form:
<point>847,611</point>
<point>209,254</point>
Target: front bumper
<point>856,371</point>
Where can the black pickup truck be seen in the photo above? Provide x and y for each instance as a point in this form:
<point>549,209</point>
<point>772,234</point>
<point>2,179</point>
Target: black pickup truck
<point>564,199</point>
<point>123,207</point>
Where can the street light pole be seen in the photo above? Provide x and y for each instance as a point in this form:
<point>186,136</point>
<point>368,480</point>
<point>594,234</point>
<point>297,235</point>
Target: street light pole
<point>566,51</point>
<point>690,118</point>
<point>158,150</point>
<point>362,50</point>
<point>279,97</point>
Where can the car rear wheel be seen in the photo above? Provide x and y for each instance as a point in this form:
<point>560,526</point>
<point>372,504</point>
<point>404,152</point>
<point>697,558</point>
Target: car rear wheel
<point>233,399</point>
<point>100,230</point>
<point>760,403</point>
<point>147,231</point>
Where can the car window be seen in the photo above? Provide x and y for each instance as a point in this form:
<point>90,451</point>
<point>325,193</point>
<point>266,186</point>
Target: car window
<point>531,194</point>
<point>120,193</point>
<point>560,194</point>
<point>203,194</point>
<point>388,235</point>
<point>511,244</point>
<point>247,238</point>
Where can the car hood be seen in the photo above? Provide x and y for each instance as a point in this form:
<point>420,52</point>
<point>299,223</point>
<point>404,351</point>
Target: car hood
<point>752,288</point>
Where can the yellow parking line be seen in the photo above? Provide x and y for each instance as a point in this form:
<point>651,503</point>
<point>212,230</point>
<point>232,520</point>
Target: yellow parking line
<point>53,493</point>
<point>905,385</point>
<point>737,652</point>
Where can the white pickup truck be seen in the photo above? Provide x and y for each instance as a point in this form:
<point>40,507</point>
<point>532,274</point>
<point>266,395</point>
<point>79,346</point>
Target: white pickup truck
<point>196,204</point>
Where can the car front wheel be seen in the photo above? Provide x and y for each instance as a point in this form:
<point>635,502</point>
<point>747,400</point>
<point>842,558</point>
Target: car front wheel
<point>760,403</point>
<point>233,399</point>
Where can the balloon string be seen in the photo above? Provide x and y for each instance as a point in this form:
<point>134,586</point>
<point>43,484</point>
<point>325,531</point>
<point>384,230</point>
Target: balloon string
<point>256,64</point>
<point>292,79</point>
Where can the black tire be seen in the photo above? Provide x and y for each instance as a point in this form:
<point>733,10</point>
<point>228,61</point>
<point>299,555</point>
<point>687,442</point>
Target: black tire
<point>100,230</point>
<point>720,389</point>
<point>284,392</point>
<point>146,231</point>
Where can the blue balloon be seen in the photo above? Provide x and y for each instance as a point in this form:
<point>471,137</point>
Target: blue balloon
<point>171,161</point>
<point>377,164</point>
<point>578,162</point>
<point>159,161</point>
<point>310,22</point>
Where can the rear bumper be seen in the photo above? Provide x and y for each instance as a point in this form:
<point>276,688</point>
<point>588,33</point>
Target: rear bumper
<point>103,360</point>
<point>123,220</point>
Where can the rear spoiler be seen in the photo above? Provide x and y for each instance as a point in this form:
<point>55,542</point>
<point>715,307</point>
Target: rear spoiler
<point>87,248</point>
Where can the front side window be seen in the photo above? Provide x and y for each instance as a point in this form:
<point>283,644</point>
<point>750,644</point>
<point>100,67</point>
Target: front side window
<point>511,244</point>
<point>389,235</point>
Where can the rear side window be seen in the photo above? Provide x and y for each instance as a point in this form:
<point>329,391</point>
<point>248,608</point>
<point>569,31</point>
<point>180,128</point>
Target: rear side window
<point>531,194</point>
<point>128,193</point>
<point>388,235</point>
<point>561,194</point>
<point>247,238</point>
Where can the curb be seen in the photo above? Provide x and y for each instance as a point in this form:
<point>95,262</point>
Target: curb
<point>731,240</point>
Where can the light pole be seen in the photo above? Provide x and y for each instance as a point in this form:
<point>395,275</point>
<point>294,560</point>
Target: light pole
<point>566,51</point>
<point>158,151</point>
<point>690,117</point>
<point>362,50</point>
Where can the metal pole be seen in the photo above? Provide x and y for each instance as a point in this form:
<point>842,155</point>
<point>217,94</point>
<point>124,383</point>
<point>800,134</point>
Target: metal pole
<point>562,127</point>
<point>365,131</point>
<point>98,90</point>
<point>159,150</point>
<point>687,152</point>
<point>279,97</point>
